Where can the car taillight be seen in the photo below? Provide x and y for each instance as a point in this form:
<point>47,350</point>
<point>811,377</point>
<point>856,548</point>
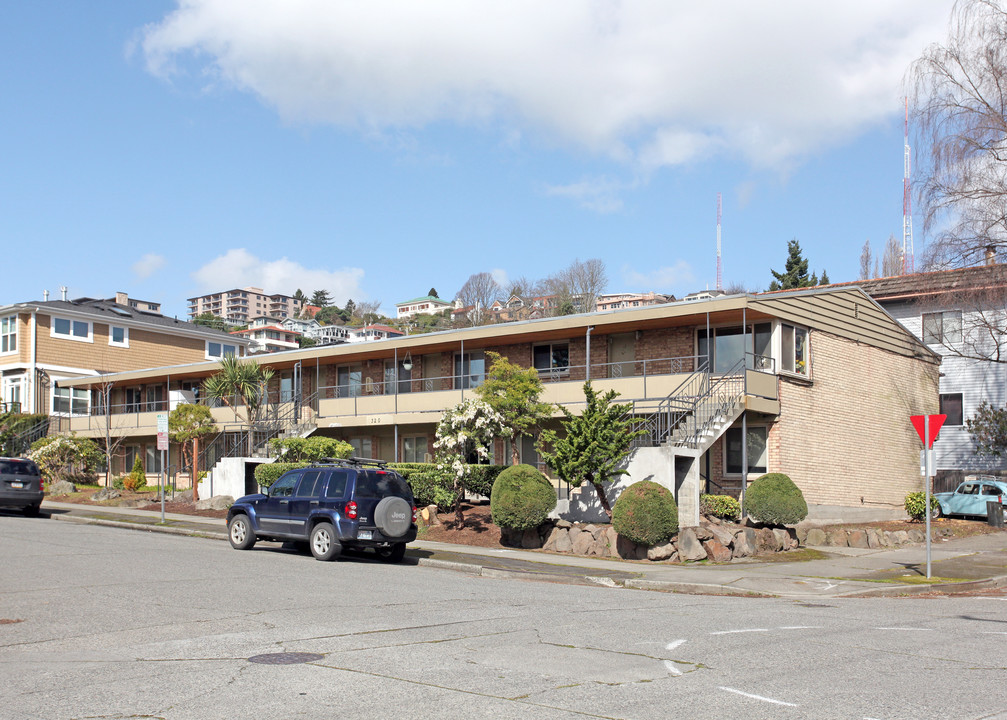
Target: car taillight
<point>351,510</point>
<point>414,513</point>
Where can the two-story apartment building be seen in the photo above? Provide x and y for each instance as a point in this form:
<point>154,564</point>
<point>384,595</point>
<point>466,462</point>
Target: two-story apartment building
<point>962,316</point>
<point>426,305</point>
<point>43,342</point>
<point>818,384</point>
<point>614,301</point>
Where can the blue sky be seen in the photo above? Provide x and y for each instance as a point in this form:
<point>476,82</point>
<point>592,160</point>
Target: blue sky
<point>380,149</point>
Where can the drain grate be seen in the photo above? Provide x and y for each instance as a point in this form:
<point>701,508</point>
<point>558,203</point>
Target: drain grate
<point>285,658</point>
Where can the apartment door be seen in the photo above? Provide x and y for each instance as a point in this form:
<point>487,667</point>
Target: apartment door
<point>622,355</point>
<point>431,372</point>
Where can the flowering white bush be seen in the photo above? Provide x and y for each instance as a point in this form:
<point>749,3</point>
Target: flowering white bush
<point>63,458</point>
<point>470,426</point>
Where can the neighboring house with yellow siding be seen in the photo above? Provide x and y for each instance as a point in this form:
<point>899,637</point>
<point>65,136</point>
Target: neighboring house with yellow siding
<point>43,342</point>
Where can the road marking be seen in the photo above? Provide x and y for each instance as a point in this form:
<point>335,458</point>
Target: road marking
<point>909,629</point>
<point>757,697</point>
<point>731,632</point>
<point>994,632</point>
<point>674,644</point>
<point>672,670</point>
<point>801,627</point>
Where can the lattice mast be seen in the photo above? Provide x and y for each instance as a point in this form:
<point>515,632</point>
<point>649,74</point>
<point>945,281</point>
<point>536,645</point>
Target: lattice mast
<point>720,278</point>
<point>907,208</point>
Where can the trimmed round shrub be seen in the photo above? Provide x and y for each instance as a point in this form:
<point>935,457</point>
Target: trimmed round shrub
<point>268,473</point>
<point>724,507</point>
<point>645,513</point>
<point>916,502</point>
<point>773,499</point>
<point>522,498</point>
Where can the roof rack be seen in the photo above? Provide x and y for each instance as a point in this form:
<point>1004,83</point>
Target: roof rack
<point>356,461</point>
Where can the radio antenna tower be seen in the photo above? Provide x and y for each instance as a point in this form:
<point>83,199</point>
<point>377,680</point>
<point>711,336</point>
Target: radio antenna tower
<point>720,284</point>
<point>907,209</point>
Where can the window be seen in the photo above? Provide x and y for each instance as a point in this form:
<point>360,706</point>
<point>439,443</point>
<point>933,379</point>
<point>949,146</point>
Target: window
<point>730,343</point>
<point>942,327</point>
<point>132,398</point>
<point>118,336</point>
<point>284,487</point>
<point>349,378</point>
<point>155,398</point>
<point>71,329</point>
<point>69,401</point>
<point>8,334</point>
<point>400,384</point>
<point>470,370</point>
<point>414,449</point>
<point>153,464</point>
<point>337,484</point>
<point>757,450</point>
<point>216,350</point>
<point>951,405</point>
<point>129,456</point>
<point>310,485</point>
<point>552,358</point>
<point>361,447</point>
<point>794,349</point>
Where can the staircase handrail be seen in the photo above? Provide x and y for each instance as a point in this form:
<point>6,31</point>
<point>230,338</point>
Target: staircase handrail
<point>720,398</point>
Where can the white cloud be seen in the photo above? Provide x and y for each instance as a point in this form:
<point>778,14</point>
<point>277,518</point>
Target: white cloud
<point>648,82</point>
<point>148,265</point>
<point>670,278</point>
<point>238,268</point>
<point>500,277</point>
<point>598,194</point>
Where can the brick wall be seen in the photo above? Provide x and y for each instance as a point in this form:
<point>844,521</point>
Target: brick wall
<point>847,435</point>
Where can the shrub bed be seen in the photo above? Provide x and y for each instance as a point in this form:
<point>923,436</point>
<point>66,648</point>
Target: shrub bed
<point>774,499</point>
<point>645,513</point>
<point>268,473</point>
<point>724,507</point>
<point>521,498</point>
<point>916,503</point>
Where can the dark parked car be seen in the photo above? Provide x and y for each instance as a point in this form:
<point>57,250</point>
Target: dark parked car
<point>355,503</point>
<point>20,485</point>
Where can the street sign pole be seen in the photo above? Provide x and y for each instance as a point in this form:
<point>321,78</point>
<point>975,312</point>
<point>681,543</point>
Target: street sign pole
<point>926,481</point>
<point>162,445</point>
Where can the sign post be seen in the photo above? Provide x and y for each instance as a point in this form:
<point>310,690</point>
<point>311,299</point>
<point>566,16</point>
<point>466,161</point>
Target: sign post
<point>928,427</point>
<point>162,445</point>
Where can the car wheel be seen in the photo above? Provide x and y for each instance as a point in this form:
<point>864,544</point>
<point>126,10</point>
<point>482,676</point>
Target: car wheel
<point>323,542</point>
<point>393,553</point>
<point>31,510</point>
<point>239,532</point>
<point>936,511</point>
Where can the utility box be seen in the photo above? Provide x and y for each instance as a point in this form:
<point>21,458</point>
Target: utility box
<point>994,513</point>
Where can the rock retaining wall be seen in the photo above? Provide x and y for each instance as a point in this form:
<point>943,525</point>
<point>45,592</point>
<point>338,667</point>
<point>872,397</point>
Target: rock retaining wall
<point>712,540</point>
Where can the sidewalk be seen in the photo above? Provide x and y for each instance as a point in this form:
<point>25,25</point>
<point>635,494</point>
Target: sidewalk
<point>956,565</point>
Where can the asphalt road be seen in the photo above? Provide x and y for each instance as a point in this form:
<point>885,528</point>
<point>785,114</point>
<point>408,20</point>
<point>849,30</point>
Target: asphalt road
<point>98,622</point>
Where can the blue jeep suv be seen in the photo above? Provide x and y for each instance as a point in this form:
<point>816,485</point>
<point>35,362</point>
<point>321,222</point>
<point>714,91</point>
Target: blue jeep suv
<point>355,503</point>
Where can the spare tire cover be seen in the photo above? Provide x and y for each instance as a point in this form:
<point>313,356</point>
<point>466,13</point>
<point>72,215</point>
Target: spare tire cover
<point>393,517</point>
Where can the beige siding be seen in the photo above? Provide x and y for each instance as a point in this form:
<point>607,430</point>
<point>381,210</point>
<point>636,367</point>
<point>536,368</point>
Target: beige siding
<point>146,349</point>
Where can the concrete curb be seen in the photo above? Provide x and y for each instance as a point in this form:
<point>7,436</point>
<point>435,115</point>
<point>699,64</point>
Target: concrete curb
<point>166,529</point>
<point>915,589</point>
<point>694,588</point>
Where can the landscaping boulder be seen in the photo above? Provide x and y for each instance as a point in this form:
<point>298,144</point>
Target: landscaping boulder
<point>744,543</point>
<point>659,553</point>
<point>917,536</point>
<point>766,541</point>
<point>530,539</point>
<point>552,537</point>
<point>716,551</point>
<point>563,543</point>
<point>689,547</point>
<point>583,542</point>
<point>625,548</point>
<point>784,540</point>
<point>873,538</point>
<point>105,494</point>
<point>858,539</point>
<point>63,487</point>
<point>836,538</point>
<point>722,535</point>
<point>217,502</point>
<point>900,537</point>
<point>816,537</point>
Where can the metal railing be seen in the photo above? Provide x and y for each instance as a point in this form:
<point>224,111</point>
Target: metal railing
<point>694,407</point>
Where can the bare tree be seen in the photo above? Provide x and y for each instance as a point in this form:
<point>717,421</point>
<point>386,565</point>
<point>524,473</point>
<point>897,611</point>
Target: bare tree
<point>367,311</point>
<point>480,289</point>
<point>865,261</point>
<point>891,262</point>
<point>959,92</point>
<point>965,312</point>
<point>523,287</point>
<point>579,284</point>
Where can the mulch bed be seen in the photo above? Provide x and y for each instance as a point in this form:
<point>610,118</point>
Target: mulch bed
<point>478,528</point>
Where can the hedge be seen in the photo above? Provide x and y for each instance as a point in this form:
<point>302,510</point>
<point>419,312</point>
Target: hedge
<point>268,473</point>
